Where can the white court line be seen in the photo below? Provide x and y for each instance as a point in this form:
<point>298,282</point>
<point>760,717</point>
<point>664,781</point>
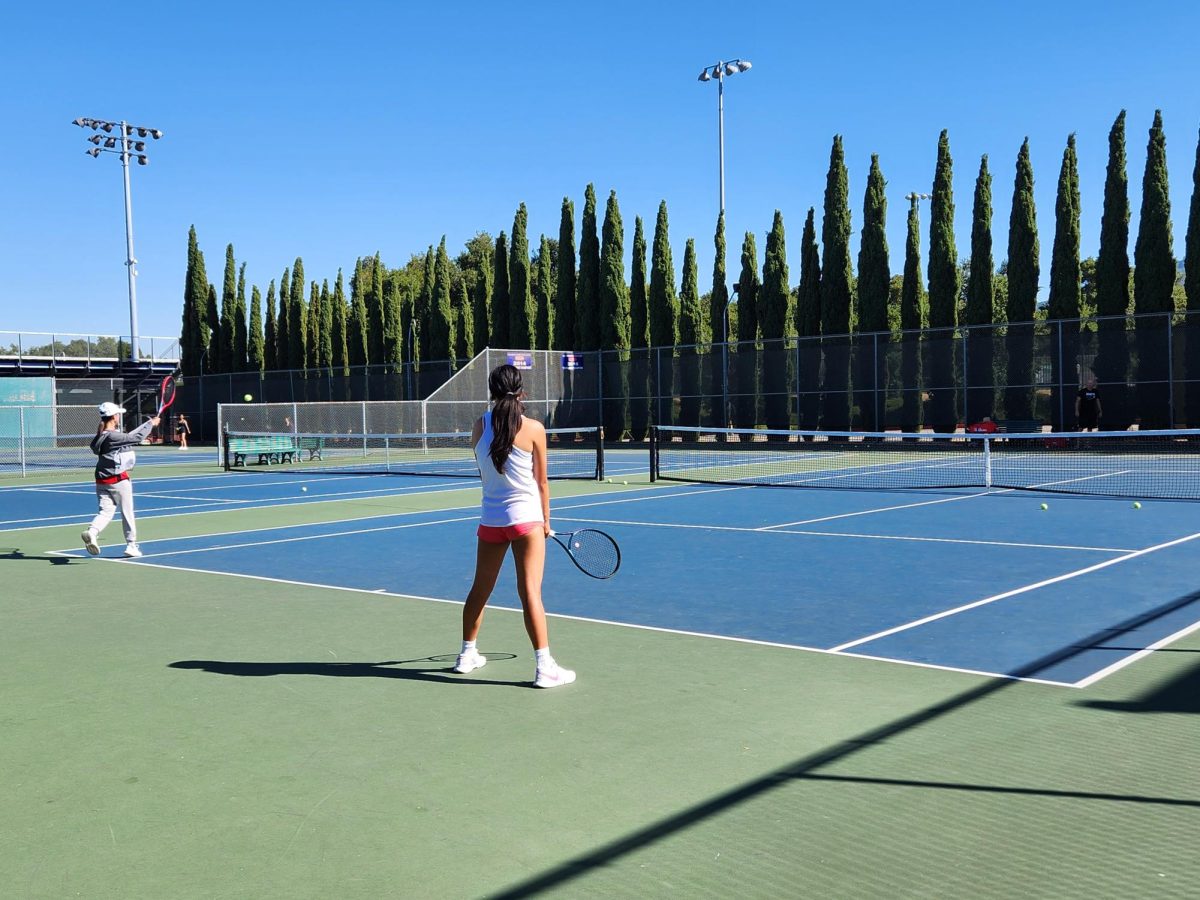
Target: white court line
<point>867,512</point>
<point>1021,590</point>
<point>851,534</point>
<point>380,592</point>
<point>1134,657</point>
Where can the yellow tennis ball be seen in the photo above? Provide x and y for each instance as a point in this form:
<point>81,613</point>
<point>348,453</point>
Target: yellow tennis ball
<point>625,482</point>
<point>1045,506</point>
<point>1137,505</point>
<point>248,397</point>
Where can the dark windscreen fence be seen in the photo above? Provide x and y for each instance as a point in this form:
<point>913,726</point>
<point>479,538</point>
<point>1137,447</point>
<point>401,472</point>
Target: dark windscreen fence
<point>1135,464</point>
<point>572,453</point>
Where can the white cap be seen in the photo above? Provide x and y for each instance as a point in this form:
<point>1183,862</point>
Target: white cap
<point>110,409</point>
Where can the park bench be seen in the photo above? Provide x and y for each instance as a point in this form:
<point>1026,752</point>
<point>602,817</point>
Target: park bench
<point>1019,426</point>
<point>312,446</point>
<point>270,449</point>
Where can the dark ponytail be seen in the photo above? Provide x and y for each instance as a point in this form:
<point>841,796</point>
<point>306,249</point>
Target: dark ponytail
<point>504,384</point>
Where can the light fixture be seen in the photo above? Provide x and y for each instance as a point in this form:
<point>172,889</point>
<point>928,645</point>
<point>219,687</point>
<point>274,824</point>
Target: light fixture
<point>155,133</point>
<point>730,69</point>
<point>139,146</point>
<point>704,76</point>
<point>95,139</point>
<point>142,160</point>
<point>106,126</point>
<point>141,132</point>
<point>744,65</point>
<point>94,152</point>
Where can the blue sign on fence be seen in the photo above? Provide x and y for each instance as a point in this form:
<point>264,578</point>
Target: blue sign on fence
<point>521,360</point>
<point>572,361</point>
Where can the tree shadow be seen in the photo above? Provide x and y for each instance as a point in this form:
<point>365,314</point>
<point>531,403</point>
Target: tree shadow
<point>15,554</point>
<point>442,672</point>
<point>1180,694</point>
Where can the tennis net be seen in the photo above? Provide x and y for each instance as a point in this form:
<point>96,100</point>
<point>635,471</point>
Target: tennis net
<point>1142,464</point>
<point>573,453</point>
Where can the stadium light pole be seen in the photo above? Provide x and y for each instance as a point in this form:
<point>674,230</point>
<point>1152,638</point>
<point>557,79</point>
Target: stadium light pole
<point>125,144</point>
<point>720,71</point>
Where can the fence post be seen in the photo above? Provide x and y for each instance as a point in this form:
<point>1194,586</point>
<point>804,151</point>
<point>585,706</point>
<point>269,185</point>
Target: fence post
<point>1062,375</point>
<point>880,425</point>
<point>21,436</point>
<point>1170,372</point>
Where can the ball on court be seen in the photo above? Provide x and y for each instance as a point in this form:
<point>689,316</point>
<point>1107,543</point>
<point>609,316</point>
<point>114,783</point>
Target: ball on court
<point>625,482</point>
<point>304,490</point>
<point>248,397</point>
<point>1137,505</point>
<point>1045,506</point>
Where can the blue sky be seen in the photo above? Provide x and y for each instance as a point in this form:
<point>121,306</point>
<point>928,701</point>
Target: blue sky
<point>331,131</point>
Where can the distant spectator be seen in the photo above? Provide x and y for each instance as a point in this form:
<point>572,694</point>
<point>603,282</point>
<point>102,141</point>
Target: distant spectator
<point>182,430</point>
<point>983,426</point>
<point>1087,406</point>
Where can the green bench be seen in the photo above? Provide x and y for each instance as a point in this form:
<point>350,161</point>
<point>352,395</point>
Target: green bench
<point>312,446</point>
<point>270,450</point>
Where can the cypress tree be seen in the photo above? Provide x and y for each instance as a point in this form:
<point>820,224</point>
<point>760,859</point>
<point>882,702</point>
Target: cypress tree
<point>912,299</point>
<point>835,292</point>
<point>255,350</point>
<point>1112,284</point>
<point>718,324</point>
<point>943,291</point>
<point>980,299</point>
<point>1023,272</point>
<point>214,330</point>
<point>543,327</point>
<point>326,326</point>
<point>464,319</point>
<point>481,295</point>
<point>271,337</point>
<point>774,319</point>
<point>394,351</point>
<point>690,339</point>
<point>1191,288</point>
<point>339,331</point>
<point>747,358</point>
<point>356,329</point>
<point>297,319</point>
<point>441,325</point>
<point>874,277</point>
<point>194,331</point>
<point>500,295</point>
<point>663,307</point>
<point>613,315</point>
<point>242,341</point>
<point>226,361</point>
<point>1065,286</point>
<point>377,333</point>
<point>587,303</point>
<point>808,325</point>
<point>312,341</point>
<point>520,298</point>
<point>282,332</point>
<point>639,338</point>
<point>564,292</point>
<point>1154,276</point>
<point>423,308</point>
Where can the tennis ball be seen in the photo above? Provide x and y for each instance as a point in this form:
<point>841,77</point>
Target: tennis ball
<point>1137,505</point>
<point>1045,506</point>
<point>248,397</point>
<point>625,482</point>
<point>304,490</point>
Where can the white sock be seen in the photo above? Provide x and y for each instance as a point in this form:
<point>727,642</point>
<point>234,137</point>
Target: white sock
<point>543,658</point>
<point>468,645</point>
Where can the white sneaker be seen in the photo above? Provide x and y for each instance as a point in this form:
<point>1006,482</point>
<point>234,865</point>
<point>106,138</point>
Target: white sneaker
<point>89,542</point>
<point>553,675</point>
<point>469,662</point>
<point>132,550</point>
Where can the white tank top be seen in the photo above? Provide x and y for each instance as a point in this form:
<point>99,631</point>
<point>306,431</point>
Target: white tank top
<point>511,497</point>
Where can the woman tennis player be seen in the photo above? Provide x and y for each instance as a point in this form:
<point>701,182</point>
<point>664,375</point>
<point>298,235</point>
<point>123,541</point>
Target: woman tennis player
<point>511,452</point>
<point>114,490</point>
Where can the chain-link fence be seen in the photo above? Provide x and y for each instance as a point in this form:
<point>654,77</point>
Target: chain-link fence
<point>1146,368</point>
<point>37,439</point>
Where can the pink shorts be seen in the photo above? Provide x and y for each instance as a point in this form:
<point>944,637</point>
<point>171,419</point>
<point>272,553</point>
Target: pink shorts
<point>502,534</point>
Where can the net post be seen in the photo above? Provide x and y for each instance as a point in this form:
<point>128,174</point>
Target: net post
<point>987,461</point>
<point>653,453</point>
<point>599,454</point>
<point>225,446</point>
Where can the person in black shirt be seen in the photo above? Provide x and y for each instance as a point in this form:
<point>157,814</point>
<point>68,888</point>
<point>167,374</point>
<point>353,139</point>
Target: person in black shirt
<point>1087,406</point>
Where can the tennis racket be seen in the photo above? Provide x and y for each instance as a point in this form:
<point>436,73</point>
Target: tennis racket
<point>166,394</point>
<point>593,552</point>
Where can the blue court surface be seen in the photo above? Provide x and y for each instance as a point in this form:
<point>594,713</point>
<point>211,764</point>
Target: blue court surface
<point>983,582</point>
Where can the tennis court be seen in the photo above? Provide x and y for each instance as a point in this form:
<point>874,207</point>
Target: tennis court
<point>950,691</point>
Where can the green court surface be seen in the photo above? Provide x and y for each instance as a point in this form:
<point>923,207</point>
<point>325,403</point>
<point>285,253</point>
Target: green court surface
<point>170,733</point>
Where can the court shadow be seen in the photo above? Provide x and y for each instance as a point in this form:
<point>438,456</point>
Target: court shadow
<point>14,554</point>
<point>442,672</point>
<point>1178,695</point>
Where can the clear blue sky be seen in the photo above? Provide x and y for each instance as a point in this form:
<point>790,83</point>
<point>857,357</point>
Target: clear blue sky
<point>331,131</point>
